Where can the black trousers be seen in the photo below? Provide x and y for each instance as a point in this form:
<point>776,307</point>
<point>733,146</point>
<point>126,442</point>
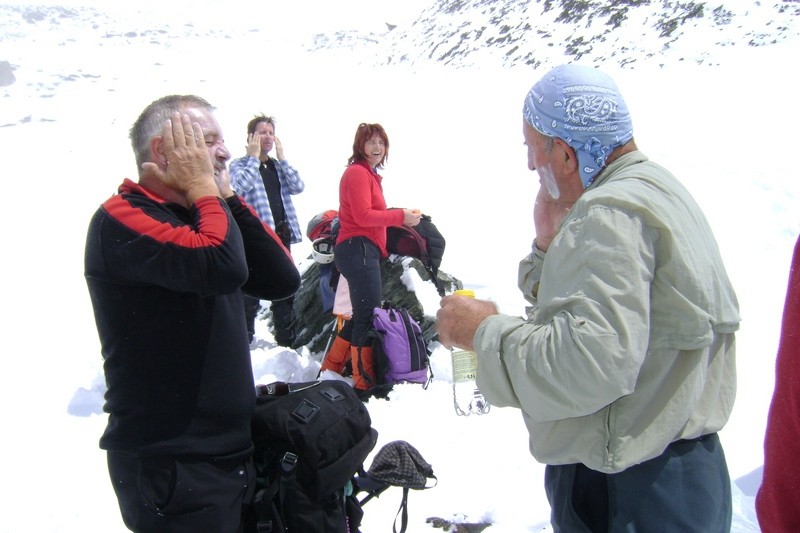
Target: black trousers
<point>282,311</point>
<point>282,318</point>
<point>178,495</point>
<point>359,261</point>
<point>251,307</point>
<point>686,489</point>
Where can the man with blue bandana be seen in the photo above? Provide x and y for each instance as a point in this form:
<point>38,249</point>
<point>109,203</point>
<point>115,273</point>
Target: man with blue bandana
<point>624,370</point>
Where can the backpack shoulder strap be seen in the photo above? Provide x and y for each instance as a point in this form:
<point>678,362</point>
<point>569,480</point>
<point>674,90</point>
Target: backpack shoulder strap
<point>403,513</point>
<point>419,351</point>
<point>269,501</point>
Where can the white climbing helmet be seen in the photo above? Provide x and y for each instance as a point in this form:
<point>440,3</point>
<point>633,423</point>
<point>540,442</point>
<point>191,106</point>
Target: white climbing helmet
<point>322,251</point>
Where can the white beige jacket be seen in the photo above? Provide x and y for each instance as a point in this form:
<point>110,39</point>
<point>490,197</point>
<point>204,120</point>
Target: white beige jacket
<point>630,342</point>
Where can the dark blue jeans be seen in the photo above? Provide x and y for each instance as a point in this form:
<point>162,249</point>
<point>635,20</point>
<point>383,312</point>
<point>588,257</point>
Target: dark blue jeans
<point>359,261</point>
<point>686,489</point>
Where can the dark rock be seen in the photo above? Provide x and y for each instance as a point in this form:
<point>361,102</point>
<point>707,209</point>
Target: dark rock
<point>6,74</point>
<point>315,323</point>
<point>457,527</point>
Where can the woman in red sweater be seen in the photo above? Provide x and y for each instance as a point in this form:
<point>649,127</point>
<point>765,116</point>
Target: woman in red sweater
<point>778,499</point>
<point>360,247</point>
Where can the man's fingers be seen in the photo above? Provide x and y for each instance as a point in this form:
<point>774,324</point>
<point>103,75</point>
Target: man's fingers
<point>441,319</point>
<point>183,140</point>
<point>168,137</point>
<point>197,132</point>
<point>189,132</point>
<point>184,132</point>
<point>178,131</point>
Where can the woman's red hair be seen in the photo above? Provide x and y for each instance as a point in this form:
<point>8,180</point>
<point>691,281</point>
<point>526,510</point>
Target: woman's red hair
<point>363,134</point>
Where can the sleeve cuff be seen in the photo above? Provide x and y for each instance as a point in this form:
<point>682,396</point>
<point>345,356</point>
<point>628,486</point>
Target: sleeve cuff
<point>493,379</point>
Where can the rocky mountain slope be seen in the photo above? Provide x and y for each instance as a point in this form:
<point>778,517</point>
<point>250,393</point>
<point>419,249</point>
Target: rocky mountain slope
<point>536,32</point>
<point>47,50</point>
<point>452,32</point>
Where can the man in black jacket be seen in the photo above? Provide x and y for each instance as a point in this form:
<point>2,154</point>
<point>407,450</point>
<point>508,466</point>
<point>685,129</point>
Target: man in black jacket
<point>167,261</point>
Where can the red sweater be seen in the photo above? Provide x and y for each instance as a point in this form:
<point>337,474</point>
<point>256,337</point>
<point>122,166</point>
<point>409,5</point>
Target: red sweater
<point>362,208</point>
<point>778,499</point>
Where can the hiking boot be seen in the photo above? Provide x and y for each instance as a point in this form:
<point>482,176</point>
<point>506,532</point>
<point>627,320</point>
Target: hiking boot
<point>337,356</point>
<point>363,370</point>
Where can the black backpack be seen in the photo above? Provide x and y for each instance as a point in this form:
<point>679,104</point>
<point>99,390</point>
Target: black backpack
<point>310,439</point>
<point>423,241</point>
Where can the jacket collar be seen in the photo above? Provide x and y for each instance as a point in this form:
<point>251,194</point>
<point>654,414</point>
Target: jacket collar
<point>130,186</point>
<point>631,158</point>
<point>372,171</point>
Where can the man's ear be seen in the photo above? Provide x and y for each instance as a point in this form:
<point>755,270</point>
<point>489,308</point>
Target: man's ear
<point>570,158</point>
<point>157,151</point>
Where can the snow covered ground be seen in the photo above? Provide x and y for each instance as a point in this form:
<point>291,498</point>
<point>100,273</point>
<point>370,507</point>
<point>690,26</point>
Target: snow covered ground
<point>456,153</point>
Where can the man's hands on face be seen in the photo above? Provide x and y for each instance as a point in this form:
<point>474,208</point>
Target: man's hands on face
<point>223,180</point>
<point>547,216</point>
<point>254,145</point>
<point>189,170</point>
<point>278,150</point>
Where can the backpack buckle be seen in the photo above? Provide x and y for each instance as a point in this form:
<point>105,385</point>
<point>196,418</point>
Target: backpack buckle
<point>305,411</point>
<point>332,394</point>
<point>288,462</point>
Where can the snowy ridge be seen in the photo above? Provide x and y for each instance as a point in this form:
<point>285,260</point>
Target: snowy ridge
<point>457,33</point>
<point>541,32</point>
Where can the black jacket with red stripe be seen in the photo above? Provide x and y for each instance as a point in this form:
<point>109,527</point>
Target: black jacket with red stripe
<point>166,285</point>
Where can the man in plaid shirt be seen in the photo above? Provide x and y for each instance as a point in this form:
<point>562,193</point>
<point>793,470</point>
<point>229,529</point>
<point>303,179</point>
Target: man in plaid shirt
<point>268,184</point>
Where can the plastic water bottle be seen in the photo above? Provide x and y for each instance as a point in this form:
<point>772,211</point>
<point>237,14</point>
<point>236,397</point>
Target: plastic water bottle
<point>466,396</point>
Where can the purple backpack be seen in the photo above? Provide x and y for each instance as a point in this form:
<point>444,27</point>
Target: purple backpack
<point>399,351</point>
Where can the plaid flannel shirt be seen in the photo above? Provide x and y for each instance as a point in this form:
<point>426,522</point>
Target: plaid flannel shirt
<point>246,180</point>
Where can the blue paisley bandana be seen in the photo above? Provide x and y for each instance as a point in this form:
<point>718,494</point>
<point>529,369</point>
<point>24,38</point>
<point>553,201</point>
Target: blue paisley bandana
<point>583,107</point>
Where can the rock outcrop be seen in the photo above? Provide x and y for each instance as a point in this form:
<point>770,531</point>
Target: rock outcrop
<point>6,74</point>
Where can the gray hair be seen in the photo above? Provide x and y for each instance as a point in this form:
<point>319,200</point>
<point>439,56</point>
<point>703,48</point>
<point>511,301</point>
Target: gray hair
<point>151,121</point>
<point>549,142</point>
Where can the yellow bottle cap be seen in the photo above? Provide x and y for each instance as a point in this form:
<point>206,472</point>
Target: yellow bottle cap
<point>465,292</point>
